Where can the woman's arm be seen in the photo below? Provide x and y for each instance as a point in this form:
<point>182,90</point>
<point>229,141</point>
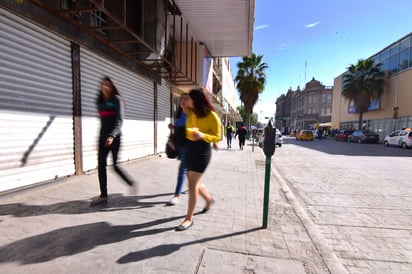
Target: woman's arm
<point>213,132</point>
<point>119,118</point>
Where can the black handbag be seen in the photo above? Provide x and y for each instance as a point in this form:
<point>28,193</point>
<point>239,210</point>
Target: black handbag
<point>171,151</point>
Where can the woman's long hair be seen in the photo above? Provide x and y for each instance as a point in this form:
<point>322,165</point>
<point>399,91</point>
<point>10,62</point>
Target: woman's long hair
<point>115,89</point>
<point>201,104</point>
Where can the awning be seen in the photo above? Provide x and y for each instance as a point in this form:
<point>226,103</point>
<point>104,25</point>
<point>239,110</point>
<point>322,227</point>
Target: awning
<point>328,124</point>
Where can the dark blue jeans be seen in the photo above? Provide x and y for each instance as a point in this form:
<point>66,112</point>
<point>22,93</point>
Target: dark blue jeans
<point>181,176</point>
<point>229,139</point>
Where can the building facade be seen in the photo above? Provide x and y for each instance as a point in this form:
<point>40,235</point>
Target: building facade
<point>394,109</point>
<point>54,53</point>
<point>304,109</point>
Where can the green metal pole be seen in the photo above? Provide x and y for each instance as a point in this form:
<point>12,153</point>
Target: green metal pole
<point>266,195</point>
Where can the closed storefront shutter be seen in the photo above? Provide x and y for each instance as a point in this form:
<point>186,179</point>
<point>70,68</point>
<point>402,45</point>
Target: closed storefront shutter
<point>36,140</point>
<point>163,114</point>
<point>137,130</point>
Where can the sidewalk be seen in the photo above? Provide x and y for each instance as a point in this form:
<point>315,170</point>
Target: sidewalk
<point>52,229</point>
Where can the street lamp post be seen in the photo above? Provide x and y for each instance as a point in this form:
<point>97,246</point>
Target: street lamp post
<point>395,117</point>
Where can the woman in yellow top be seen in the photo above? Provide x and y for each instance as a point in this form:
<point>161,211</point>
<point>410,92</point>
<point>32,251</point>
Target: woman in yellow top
<point>203,127</point>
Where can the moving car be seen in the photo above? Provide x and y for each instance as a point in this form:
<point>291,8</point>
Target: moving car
<point>400,138</point>
<point>278,138</point>
<point>343,135</point>
<point>305,135</point>
<point>363,136</point>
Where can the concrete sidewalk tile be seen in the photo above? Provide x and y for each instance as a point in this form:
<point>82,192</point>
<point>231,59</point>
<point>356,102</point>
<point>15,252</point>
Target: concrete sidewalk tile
<point>61,233</point>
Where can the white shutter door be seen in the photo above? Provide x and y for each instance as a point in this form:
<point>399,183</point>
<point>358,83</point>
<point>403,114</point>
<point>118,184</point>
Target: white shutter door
<point>137,130</point>
<point>36,140</point>
<point>163,114</point>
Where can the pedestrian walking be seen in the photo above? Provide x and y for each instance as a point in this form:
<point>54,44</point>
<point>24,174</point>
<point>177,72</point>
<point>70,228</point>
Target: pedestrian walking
<point>229,134</point>
<point>109,106</point>
<point>241,132</point>
<point>203,127</point>
<point>179,141</point>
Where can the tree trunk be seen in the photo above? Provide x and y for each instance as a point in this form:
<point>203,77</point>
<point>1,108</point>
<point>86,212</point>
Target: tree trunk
<point>360,121</point>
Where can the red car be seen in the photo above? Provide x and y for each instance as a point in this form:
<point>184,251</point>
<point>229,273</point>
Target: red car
<point>343,135</point>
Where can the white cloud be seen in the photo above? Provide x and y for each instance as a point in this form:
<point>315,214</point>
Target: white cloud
<point>312,25</point>
<point>261,27</point>
<point>283,46</point>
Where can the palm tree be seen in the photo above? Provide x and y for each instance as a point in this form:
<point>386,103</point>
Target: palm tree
<point>362,84</point>
<point>250,79</point>
<point>242,112</point>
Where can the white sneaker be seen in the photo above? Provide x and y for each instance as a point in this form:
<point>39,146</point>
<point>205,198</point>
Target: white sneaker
<point>173,201</point>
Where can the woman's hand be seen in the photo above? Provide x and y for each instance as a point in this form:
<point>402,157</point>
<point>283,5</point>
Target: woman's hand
<point>197,135</point>
<point>215,146</point>
<point>109,141</point>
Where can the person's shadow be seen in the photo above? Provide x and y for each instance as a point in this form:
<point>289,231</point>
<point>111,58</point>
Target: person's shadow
<point>166,249</point>
<point>116,202</point>
<point>75,239</point>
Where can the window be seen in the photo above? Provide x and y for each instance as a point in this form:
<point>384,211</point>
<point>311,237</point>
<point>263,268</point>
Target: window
<point>404,59</point>
<point>329,100</point>
<point>405,43</point>
<point>393,64</point>
<point>384,55</point>
<point>394,49</point>
<point>394,134</point>
<point>385,65</point>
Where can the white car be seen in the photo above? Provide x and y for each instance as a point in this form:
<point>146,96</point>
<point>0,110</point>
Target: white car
<point>278,138</point>
<point>400,138</point>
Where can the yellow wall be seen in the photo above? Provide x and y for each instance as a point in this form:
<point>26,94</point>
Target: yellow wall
<point>403,82</point>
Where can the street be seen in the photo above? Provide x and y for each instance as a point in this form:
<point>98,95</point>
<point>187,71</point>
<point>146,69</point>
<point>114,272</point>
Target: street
<point>359,198</point>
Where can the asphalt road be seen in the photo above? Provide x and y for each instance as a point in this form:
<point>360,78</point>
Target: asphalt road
<point>359,197</point>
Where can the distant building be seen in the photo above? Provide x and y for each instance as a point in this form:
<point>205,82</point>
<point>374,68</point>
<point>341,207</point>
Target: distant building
<point>304,109</point>
<point>394,109</point>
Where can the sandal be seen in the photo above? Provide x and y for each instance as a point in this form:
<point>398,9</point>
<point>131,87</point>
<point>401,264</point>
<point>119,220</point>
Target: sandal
<point>206,209</point>
<point>184,227</point>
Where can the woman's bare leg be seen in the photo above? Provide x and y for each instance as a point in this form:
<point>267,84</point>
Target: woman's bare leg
<point>205,194</point>
<point>193,180</point>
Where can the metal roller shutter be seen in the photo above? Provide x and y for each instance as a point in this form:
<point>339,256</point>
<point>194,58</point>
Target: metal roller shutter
<point>35,104</point>
<point>163,114</point>
<point>137,130</point>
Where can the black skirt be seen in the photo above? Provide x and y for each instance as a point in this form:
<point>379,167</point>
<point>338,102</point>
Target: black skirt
<point>198,155</point>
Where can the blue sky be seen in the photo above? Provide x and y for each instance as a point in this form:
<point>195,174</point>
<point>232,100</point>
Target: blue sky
<point>328,35</point>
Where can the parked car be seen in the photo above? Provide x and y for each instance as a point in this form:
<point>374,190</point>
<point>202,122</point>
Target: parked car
<point>305,135</point>
<point>342,135</point>
<point>363,136</point>
<point>278,138</point>
<point>400,138</point>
